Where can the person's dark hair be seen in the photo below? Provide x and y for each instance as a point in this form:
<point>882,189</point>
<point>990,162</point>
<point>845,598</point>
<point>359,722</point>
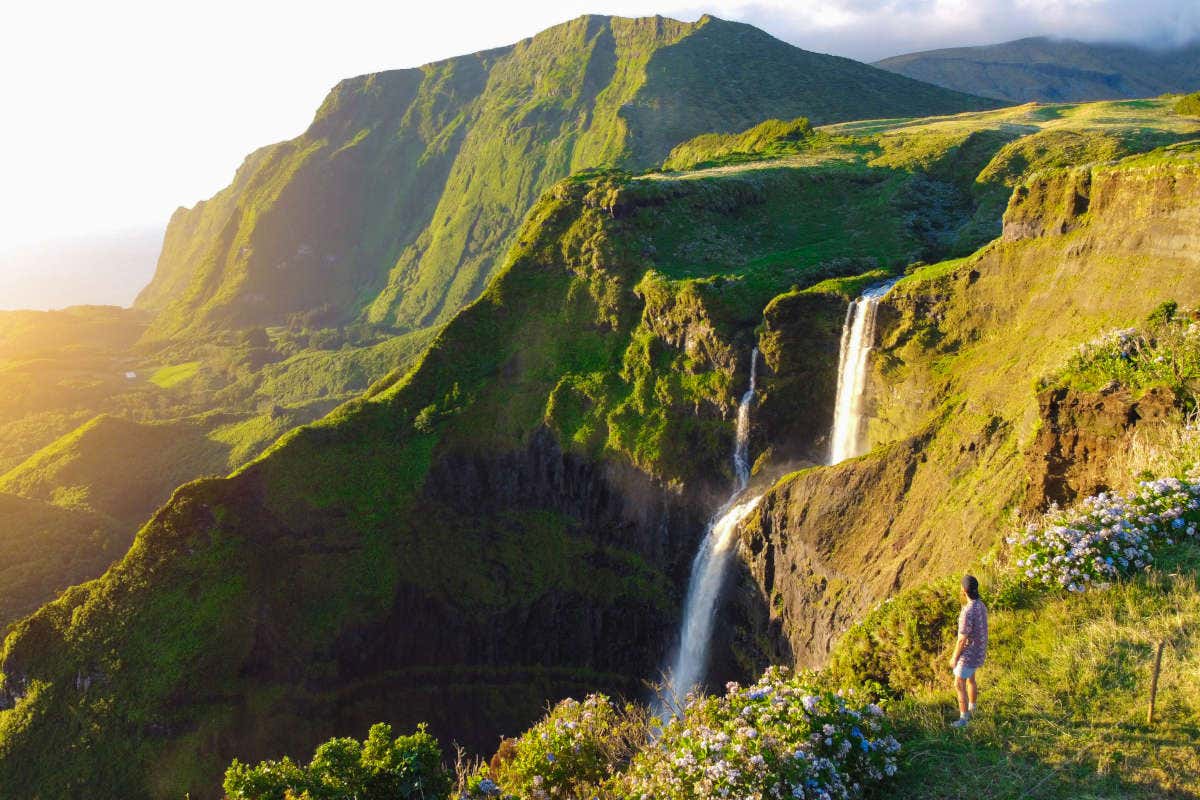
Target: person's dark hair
<point>970,585</point>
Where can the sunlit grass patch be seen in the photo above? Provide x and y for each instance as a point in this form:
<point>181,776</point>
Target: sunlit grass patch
<point>1063,700</point>
<point>172,376</point>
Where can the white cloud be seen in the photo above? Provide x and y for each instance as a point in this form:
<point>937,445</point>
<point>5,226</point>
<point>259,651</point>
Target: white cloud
<point>873,29</point>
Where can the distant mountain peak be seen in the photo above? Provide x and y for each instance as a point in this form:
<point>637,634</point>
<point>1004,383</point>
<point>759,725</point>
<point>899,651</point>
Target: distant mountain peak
<point>1049,69</point>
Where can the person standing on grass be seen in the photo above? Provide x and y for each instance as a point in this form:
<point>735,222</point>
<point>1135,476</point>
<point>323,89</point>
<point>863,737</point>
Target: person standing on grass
<point>970,650</point>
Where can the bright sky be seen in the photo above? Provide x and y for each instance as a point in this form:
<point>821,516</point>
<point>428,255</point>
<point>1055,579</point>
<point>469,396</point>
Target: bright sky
<point>120,111</point>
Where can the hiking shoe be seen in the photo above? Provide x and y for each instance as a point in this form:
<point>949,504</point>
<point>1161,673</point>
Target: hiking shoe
<point>961,722</point>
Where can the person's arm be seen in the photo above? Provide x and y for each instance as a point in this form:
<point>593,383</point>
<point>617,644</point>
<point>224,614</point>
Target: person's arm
<point>958,648</point>
<point>964,634</point>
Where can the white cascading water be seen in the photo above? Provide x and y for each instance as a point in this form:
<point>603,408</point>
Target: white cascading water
<point>712,560</point>
<point>858,339</point>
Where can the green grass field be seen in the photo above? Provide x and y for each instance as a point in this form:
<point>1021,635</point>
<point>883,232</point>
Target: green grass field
<point>171,376</point>
<point>1064,697</point>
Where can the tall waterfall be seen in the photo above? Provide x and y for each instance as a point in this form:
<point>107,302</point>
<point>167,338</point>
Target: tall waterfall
<point>858,339</point>
<point>712,560</point>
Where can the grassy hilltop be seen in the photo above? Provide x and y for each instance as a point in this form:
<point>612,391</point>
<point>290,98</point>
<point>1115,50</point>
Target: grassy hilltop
<point>511,520</point>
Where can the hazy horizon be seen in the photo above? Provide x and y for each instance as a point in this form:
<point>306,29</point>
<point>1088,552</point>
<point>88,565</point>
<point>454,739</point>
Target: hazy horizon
<point>89,269</point>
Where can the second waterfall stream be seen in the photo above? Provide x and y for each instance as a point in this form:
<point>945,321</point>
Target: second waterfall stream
<point>712,560</point>
<point>846,440</point>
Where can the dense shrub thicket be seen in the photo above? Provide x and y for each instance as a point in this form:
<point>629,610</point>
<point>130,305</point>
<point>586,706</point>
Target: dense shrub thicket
<point>898,647</point>
<point>1189,104</point>
<point>379,768</point>
<point>783,737</point>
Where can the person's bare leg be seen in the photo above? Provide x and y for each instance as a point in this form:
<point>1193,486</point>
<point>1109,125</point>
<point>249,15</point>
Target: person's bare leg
<point>960,688</point>
<point>972,692</point>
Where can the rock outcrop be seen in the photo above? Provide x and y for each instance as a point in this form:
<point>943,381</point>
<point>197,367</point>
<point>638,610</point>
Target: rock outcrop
<point>1080,437</point>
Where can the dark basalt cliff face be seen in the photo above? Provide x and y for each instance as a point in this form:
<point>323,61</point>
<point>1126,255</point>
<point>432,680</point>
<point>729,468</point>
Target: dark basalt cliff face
<point>574,590</point>
<point>800,340</point>
<point>1081,434</point>
<point>472,675</point>
<point>803,556</point>
<point>952,390</point>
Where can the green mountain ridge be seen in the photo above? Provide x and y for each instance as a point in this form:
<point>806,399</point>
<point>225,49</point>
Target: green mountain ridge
<point>513,519</point>
<point>398,202</point>
<point>389,213</point>
<point>1055,70</point>
<point>46,549</point>
<point>93,423</point>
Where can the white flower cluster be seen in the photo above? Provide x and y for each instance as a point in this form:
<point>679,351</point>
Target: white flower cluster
<point>1109,535</point>
<point>779,738</point>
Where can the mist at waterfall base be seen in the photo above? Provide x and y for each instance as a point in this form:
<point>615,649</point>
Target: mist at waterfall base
<point>847,437</point>
<point>712,560</point>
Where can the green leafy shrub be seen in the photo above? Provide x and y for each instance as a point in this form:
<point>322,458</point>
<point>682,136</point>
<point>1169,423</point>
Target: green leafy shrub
<point>898,647</point>
<point>1165,352</point>
<point>1189,105</point>
<point>781,737</point>
<point>380,768</point>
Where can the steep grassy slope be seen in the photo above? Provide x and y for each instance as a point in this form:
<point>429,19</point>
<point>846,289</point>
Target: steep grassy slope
<point>1064,698</point>
<point>513,519</point>
<point>45,549</point>
<point>114,467</point>
<point>402,195</point>
<point>955,391</point>
<point>1065,689</point>
<point>1055,70</point>
<point>55,364</point>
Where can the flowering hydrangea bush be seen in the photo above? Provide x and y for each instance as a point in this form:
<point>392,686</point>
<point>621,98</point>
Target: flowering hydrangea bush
<point>780,738</point>
<point>1109,535</point>
<point>570,753</point>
